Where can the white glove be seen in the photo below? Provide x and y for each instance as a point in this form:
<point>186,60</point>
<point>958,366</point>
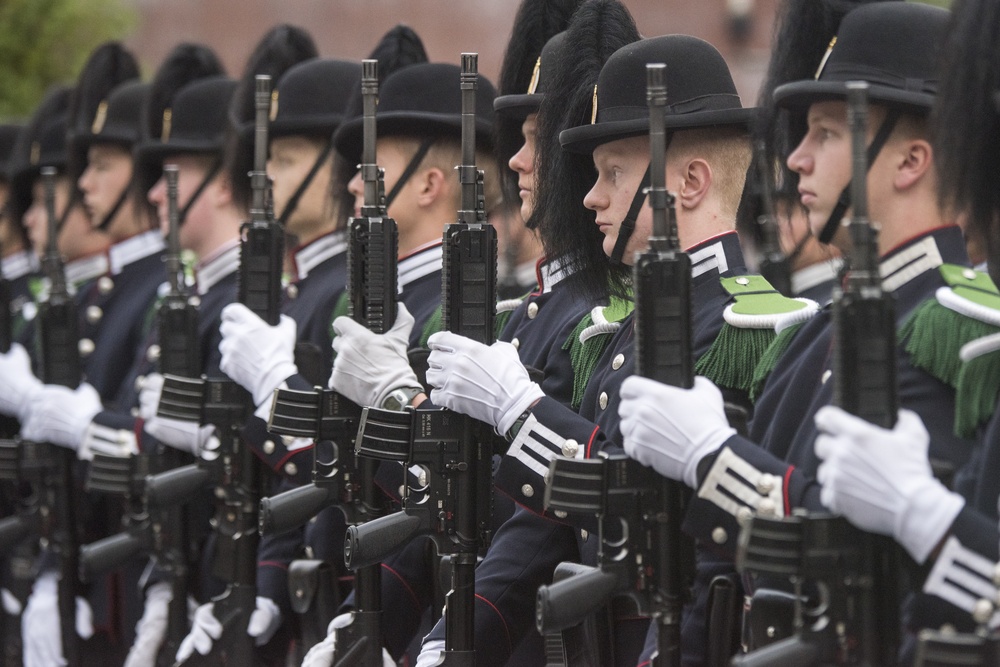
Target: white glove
<point>370,366</point>
<point>183,435</point>
<point>881,480</point>
<point>61,415</point>
<point>206,628</point>
<point>40,626</point>
<point>18,385</point>
<point>255,355</point>
<point>151,629</point>
<point>486,382</point>
<point>321,654</point>
<point>431,652</point>
<point>672,429</point>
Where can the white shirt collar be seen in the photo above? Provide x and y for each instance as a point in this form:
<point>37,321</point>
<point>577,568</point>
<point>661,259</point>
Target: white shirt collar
<point>311,255</point>
<point>86,268</point>
<point>133,249</point>
<point>815,274</point>
<point>224,261</point>
<point>19,264</point>
<point>551,273</point>
<point>423,261</point>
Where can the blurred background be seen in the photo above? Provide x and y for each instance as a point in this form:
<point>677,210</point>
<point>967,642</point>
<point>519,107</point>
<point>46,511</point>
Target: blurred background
<point>46,41</point>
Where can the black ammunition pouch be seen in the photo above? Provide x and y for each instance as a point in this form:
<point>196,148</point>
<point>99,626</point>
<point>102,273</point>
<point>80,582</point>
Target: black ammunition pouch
<point>312,586</point>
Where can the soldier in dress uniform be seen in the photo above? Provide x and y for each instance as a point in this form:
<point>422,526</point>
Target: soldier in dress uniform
<point>688,440</point>
<point>961,544</point>
<point>17,262</point>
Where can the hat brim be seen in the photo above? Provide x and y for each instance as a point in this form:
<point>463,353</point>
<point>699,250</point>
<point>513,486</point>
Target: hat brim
<point>518,106</point>
<point>156,152</point>
<point>320,124</point>
<point>585,138</point>
<point>800,94</point>
<point>348,139</point>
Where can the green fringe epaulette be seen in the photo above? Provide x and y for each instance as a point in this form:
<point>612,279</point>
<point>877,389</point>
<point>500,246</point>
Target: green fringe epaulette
<point>934,335</point>
<point>433,324</point>
<point>505,309</point>
<point>589,338</point>
<point>774,352</point>
<point>340,309</point>
<point>978,384</point>
<point>749,330</point>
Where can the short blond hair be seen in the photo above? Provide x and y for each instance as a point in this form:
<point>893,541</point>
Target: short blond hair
<point>727,151</point>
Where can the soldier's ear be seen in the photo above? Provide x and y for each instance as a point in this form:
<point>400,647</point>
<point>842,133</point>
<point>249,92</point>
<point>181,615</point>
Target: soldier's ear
<point>915,158</point>
<point>432,185</point>
<point>695,182</point>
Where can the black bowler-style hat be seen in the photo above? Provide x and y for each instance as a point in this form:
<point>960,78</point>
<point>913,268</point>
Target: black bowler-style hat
<point>422,101</point>
<point>700,92</point>
<point>117,120</point>
<point>893,46</point>
<point>8,137</point>
<point>195,123</point>
<point>312,97</point>
<point>522,105</point>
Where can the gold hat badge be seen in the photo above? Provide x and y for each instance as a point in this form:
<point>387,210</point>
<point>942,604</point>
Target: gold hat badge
<point>533,86</point>
<point>273,113</point>
<point>593,115</point>
<point>100,118</point>
<point>826,56</point>
<point>168,117</point>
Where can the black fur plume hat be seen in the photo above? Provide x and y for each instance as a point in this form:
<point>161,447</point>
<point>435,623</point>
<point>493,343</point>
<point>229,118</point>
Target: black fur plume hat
<point>311,98</point>
<point>42,143</point>
<point>196,121</point>
<point>700,92</point>
<point>421,101</point>
<point>521,105</point>
<point>893,46</point>
<point>8,137</point>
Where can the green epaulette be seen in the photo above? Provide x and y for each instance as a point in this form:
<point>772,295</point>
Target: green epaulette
<point>936,333</point>
<point>340,309</point>
<point>433,324</point>
<point>734,359</point>
<point>589,338</point>
<point>505,309</point>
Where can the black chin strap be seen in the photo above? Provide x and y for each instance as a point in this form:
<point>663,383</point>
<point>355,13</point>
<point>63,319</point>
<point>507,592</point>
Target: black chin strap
<point>833,222</point>
<point>106,220</point>
<point>209,177</point>
<point>628,224</point>
<point>293,201</point>
<point>411,169</point>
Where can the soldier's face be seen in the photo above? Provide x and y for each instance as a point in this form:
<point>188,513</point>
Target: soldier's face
<point>620,167</point>
<point>523,163</point>
<point>191,171</point>
<point>392,155</point>
<point>107,176</point>
<point>291,160</point>
<point>36,218</point>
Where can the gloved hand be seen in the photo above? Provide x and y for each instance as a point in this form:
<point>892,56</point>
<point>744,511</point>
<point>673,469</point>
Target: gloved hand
<point>151,629</point>
<point>486,382</point>
<point>321,655</point>
<point>18,385</point>
<point>255,355</point>
<point>370,366</point>
<point>430,652</point>
<point>206,628</point>
<point>672,429</point>
<point>61,415</point>
<point>183,435</point>
<point>881,480</point>
<point>40,625</point>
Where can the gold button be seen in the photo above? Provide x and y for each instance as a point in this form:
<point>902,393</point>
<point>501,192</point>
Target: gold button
<point>291,468</point>
<point>94,314</point>
<point>742,281</point>
<point>617,362</point>
<point>528,490</point>
<point>292,291</point>
<point>105,284</point>
<point>602,400</point>
<point>86,347</point>
<point>570,448</point>
<point>532,310</point>
<point>719,535</point>
<point>194,302</point>
<point>516,343</point>
<point>153,352</point>
<point>969,274</point>
<point>269,447</point>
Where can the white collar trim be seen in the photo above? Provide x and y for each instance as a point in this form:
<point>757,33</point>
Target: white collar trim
<point>133,249</point>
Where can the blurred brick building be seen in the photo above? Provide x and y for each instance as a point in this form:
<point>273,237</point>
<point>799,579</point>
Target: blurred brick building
<point>741,29</point>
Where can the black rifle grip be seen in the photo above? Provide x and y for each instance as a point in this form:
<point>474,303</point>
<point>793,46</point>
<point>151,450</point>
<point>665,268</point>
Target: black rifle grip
<point>294,507</point>
<point>108,554</point>
<point>566,603</point>
<point>176,486</point>
<point>369,543</point>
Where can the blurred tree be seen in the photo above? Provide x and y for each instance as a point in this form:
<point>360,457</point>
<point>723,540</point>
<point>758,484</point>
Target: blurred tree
<point>43,42</point>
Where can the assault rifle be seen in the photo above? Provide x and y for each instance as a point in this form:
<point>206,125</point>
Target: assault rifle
<point>856,574</point>
<point>232,468</point>
<point>774,263</point>
<point>161,531</point>
<point>454,451</point>
<point>339,476</point>
<point>653,561</point>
